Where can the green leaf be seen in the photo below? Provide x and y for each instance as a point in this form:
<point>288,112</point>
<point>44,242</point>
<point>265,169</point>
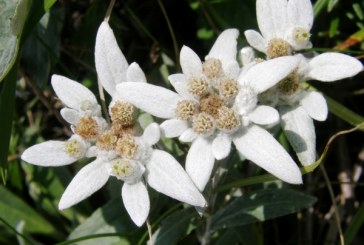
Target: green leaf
<point>111,218</point>
<point>260,206</point>
<point>13,209</point>
<point>175,227</point>
<point>355,225</point>
<point>318,6</point>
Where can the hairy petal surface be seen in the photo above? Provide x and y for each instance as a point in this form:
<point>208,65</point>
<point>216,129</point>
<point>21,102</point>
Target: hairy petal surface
<point>173,128</point>
<point>135,73</point>
<point>272,17</point>
<point>255,40</point>
<point>152,134</point>
<point>300,13</point>
<point>264,115</point>
<point>190,62</point>
<point>315,105</point>
<point>221,146</point>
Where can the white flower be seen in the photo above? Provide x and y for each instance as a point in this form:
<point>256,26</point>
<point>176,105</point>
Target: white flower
<point>284,25</point>
<point>214,106</point>
<point>299,107</point>
<point>138,164</point>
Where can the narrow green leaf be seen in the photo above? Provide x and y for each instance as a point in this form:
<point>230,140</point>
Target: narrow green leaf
<point>260,206</point>
<point>13,209</point>
<point>175,227</point>
<point>17,21</point>
<point>331,5</point>
<point>355,225</point>
<point>318,6</point>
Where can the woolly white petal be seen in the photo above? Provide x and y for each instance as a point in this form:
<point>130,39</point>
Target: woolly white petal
<point>188,135</point>
<point>110,62</point>
<point>231,69</point>
<point>300,131</point>
<point>71,93</point>
<point>255,40</point>
<point>224,47</point>
<point>71,116</point>
<point>272,17</point>
<point>264,75</point>
<point>221,146</point>
<point>152,134</point>
<point>86,182</point>
<point>260,147</point>
<point>264,115</point>
<point>330,67</point>
<point>173,128</point>
<point>167,176</point>
<point>179,82</point>
<point>315,105</point>
<point>300,13</point>
<point>135,73</point>
<point>136,202</point>
<point>158,101</point>
<point>49,153</point>
<point>200,162</point>
<point>190,62</point>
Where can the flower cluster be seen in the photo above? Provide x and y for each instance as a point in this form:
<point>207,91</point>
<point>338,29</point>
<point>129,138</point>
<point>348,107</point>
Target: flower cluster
<point>217,102</point>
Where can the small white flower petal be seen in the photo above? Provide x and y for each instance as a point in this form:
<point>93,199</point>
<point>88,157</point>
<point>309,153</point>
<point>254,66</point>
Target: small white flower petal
<point>158,101</point>
<point>71,116</point>
<point>255,40</point>
<point>72,93</point>
<point>167,176</point>
<point>173,128</point>
<point>190,62</point>
<point>135,74</point>
<point>200,162</point>
<point>179,82</point>
<point>86,182</point>
<point>231,69</point>
<point>188,135</point>
<point>330,67</point>
<point>315,105</point>
<point>152,134</point>
<point>264,115</point>
<point>136,201</point>
<point>260,147</point>
<point>264,75</point>
<point>224,47</point>
<point>48,154</point>
<point>300,13</point>
<point>110,62</point>
<point>272,17</point>
<point>221,146</point>
<point>300,131</point>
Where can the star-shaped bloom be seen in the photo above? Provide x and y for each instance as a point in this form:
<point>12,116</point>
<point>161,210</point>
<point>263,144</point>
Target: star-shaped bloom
<point>83,113</point>
<point>284,25</point>
<point>298,107</point>
<point>136,164</point>
<point>216,105</point>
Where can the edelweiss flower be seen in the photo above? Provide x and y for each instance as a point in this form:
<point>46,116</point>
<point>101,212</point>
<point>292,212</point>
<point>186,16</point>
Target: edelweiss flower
<point>285,27</point>
<point>298,107</point>
<point>83,113</point>
<point>136,162</point>
<point>214,106</point>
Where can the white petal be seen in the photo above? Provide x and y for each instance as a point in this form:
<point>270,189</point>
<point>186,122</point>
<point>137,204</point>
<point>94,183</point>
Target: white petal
<point>136,202</point>
<point>300,131</point>
<point>300,13</point>
<point>71,116</point>
<point>49,153</point>
<point>152,134</point>
<point>71,93</point>
<point>135,73</point>
<point>167,176</point>
<point>255,40</point>
<point>221,146</point>
<point>173,128</point>
<point>260,147</point>
<point>86,182</point>
<point>190,62</point>
<point>315,105</point>
<point>330,67</point>
<point>179,82</point>
<point>231,69</point>
<point>264,75</point>
<point>200,162</point>
<point>264,115</point>
<point>158,101</point>
<point>188,135</point>
<point>272,17</point>
<point>224,47</point>
<point>110,62</point>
